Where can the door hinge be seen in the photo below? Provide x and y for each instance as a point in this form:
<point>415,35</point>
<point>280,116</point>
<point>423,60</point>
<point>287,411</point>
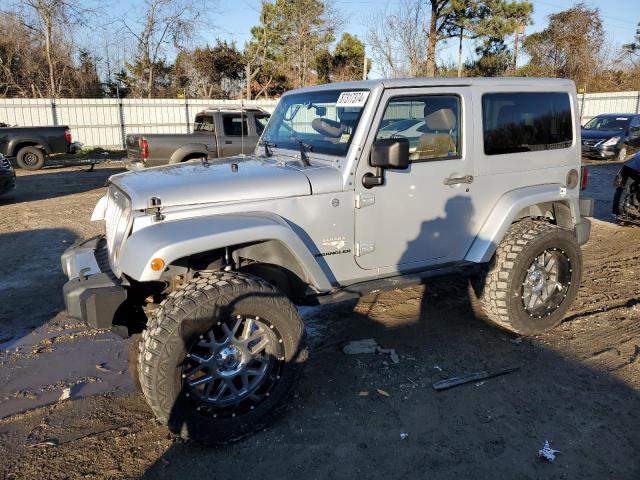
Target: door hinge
<point>362,248</point>
<point>365,200</point>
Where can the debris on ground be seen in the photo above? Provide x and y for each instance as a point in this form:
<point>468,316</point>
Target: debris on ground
<point>102,367</point>
<point>391,352</point>
<point>357,347</point>
<point>471,377</point>
<point>547,453</point>
<point>47,442</point>
<point>403,436</point>
<point>369,345</point>
<point>363,393</point>
<point>66,394</point>
<point>383,392</point>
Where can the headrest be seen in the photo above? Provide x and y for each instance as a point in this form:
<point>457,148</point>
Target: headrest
<point>443,119</point>
<point>326,127</point>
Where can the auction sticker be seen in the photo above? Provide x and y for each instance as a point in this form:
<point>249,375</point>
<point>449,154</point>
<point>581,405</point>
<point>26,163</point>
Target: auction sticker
<point>352,99</point>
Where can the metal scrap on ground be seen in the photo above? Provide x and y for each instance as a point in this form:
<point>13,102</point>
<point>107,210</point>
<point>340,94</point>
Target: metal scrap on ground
<point>471,377</point>
<point>547,453</point>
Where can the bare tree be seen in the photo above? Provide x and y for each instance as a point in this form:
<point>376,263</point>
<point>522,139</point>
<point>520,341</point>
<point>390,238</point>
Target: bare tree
<point>49,19</point>
<point>165,23</point>
<point>397,39</point>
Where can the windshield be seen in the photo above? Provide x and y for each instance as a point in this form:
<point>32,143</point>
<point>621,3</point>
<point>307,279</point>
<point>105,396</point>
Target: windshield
<point>325,121</point>
<point>607,123</point>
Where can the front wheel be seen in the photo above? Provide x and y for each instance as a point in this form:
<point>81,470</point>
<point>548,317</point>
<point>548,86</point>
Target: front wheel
<point>220,356</point>
<point>533,278</point>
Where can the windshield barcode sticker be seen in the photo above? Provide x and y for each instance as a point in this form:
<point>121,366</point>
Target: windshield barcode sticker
<point>352,99</point>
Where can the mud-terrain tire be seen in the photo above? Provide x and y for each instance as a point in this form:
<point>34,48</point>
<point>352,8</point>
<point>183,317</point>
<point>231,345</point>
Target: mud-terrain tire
<point>501,287</point>
<point>30,158</point>
<point>196,317</point>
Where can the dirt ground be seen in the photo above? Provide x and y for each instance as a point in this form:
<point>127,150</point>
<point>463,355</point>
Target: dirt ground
<point>359,416</point>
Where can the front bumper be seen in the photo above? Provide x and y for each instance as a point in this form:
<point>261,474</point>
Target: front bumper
<point>600,152</point>
<point>93,293</point>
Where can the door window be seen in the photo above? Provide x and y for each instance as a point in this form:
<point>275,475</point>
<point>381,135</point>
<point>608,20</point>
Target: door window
<point>234,125</point>
<point>431,123</point>
<point>635,123</point>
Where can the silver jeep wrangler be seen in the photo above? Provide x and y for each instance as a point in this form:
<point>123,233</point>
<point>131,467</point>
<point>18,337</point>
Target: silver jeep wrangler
<point>353,188</point>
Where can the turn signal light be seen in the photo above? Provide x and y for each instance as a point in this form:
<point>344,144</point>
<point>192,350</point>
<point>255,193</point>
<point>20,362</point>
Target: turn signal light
<point>157,264</point>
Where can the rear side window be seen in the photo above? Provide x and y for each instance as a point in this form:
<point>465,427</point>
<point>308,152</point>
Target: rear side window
<point>526,122</point>
<point>204,123</point>
<point>234,125</point>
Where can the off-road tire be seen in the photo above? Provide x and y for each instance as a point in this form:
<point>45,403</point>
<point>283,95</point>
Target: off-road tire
<point>499,287</point>
<point>187,313</point>
<point>26,153</point>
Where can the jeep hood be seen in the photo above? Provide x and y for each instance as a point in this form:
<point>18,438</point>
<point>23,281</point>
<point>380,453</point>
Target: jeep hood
<point>199,183</point>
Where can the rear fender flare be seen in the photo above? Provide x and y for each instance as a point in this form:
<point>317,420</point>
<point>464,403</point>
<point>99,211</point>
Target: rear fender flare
<point>507,210</point>
<point>177,239</point>
<point>32,140</point>
<point>192,148</point>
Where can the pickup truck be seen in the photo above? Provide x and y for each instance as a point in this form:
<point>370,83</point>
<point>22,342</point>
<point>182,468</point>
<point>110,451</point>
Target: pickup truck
<point>218,131</point>
<point>32,145</point>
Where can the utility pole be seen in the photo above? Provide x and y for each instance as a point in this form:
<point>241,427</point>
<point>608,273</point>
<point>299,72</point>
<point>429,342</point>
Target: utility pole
<point>516,44</point>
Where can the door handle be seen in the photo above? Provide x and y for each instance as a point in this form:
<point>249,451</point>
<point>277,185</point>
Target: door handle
<point>228,142</point>
<point>458,180</point>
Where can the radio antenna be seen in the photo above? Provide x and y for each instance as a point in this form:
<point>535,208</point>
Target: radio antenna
<point>242,127</point>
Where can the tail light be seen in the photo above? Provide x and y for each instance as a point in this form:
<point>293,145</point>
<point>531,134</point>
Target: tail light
<point>584,178</point>
<point>144,147</point>
<point>67,135</point>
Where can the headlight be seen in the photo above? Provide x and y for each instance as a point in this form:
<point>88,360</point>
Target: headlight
<point>612,141</point>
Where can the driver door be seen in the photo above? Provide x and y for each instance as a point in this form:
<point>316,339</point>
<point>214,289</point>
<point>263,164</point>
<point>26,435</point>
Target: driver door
<point>423,215</point>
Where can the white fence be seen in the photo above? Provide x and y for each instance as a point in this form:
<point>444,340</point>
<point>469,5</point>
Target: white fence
<point>104,122</point>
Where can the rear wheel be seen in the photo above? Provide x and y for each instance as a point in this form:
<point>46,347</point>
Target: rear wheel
<point>30,158</point>
<point>532,279</point>
<point>220,356</point>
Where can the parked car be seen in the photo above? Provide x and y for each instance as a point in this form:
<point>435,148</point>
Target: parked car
<point>328,208</point>
<point>218,131</point>
<point>611,136</point>
<point>32,145</point>
<point>626,199</point>
<point>7,176</point>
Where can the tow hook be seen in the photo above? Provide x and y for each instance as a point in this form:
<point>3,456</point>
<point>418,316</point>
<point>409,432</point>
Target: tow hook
<point>155,208</point>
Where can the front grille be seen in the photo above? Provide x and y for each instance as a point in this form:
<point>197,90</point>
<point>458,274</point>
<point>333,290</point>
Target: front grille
<point>116,221</point>
<point>4,162</point>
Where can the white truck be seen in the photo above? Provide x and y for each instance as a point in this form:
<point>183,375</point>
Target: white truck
<point>353,188</point>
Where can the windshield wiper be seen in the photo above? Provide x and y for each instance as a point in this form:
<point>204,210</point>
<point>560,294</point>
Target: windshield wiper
<point>267,147</point>
<point>304,148</point>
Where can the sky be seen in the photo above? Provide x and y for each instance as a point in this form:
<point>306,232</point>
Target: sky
<point>232,19</point>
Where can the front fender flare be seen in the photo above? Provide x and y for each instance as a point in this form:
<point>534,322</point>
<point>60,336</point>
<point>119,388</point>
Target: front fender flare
<point>505,212</point>
<point>172,240</point>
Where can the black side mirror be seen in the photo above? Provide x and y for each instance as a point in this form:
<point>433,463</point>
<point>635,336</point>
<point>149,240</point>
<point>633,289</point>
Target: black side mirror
<point>390,153</point>
<point>386,153</point>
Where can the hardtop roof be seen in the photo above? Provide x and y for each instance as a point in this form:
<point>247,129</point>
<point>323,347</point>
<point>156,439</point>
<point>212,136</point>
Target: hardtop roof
<point>441,81</point>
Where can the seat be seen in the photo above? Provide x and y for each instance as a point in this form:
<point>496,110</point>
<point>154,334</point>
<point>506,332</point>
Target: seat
<point>438,143</point>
